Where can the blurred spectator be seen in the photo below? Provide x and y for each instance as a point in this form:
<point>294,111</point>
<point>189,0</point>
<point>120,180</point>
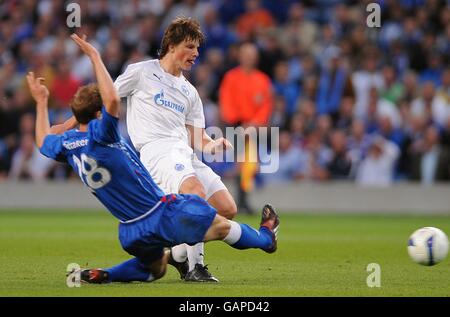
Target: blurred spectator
<point>215,58</point>
<point>358,145</point>
<point>217,34</point>
<point>249,105</point>
<point>279,115</point>
<point>318,156</point>
<point>323,127</point>
<point>399,58</point>
<point>326,46</point>
<point>414,134</point>
<point>441,109</point>
<point>271,52</point>
<point>389,132</point>
<point>393,90</point>
<point>291,161</point>
<point>297,33</point>
<point>385,109</point>
<point>28,163</point>
<point>434,70</point>
<point>342,20</point>
<point>147,41</point>
<point>10,80</point>
<point>334,83</point>
<point>430,105</point>
<point>309,89</point>
<point>112,57</point>
<point>255,19</point>
<point>64,86</point>
<point>344,118</point>
<point>210,108</point>
<point>431,161</point>
<point>410,86</point>
<point>297,128</point>
<point>340,164</point>
<point>307,110</point>
<point>357,39</point>
<point>377,169</point>
<point>289,89</point>
<point>203,77</point>
<point>364,80</point>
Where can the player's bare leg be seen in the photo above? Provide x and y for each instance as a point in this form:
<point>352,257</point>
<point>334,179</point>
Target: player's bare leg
<point>224,203</point>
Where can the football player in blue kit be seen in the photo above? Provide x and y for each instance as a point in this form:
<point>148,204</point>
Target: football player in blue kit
<point>149,220</point>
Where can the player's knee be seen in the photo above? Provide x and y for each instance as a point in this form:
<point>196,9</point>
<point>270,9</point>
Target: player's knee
<point>159,272</point>
<point>222,228</point>
<point>158,268</point>
<point>224,204</point>
<point>228,209</point>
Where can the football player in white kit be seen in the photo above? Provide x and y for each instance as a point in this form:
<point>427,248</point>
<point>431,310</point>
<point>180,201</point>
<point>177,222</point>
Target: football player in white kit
<point>165,122</point>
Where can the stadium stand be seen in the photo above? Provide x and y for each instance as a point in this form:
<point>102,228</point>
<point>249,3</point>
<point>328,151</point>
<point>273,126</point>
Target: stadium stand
<point>365,105</point>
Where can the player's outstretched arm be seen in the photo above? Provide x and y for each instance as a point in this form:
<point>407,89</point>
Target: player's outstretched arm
<point>40,94</point>
<point>108,93</point>
<point>69,124</point>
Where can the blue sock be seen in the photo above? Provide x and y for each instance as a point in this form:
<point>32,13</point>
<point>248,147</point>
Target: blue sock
<point>131,270</point>
<point>243,236</point>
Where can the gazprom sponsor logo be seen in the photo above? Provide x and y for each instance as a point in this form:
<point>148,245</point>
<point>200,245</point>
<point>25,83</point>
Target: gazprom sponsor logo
<point>161,101</point>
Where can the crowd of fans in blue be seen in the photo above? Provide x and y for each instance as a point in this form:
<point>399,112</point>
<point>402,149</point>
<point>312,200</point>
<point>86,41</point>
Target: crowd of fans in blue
<point>370,105</point>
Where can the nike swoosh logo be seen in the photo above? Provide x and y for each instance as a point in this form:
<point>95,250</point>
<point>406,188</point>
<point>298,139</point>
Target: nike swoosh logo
<point>159,77</point>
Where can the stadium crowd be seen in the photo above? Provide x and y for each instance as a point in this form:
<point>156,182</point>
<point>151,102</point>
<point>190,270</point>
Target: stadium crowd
<point>370,105</point>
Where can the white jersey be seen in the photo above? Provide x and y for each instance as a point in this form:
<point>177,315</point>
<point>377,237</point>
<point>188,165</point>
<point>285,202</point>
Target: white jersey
<point>159,105</point>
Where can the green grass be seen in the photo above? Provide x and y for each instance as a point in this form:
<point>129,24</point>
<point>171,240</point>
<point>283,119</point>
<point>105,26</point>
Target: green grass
<point>318,255</point>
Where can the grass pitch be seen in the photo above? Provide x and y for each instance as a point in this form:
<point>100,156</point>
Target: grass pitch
<point>318,255</point>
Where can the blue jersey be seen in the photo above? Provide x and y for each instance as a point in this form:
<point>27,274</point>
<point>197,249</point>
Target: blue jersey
<point>107,166</point>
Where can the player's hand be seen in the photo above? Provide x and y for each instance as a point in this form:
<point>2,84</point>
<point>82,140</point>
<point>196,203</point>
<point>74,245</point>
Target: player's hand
<point>217,146</point>
<point>37,89</point>
<point>85,46</point>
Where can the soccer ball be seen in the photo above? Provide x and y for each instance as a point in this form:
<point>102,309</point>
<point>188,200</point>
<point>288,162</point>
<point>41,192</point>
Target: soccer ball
<point>428,246</point>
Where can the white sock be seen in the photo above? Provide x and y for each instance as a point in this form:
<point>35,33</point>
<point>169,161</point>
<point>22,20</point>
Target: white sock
<point>235,233</point>
<point>179,252</point>
<point>195,254</point>
<point>151,278</point>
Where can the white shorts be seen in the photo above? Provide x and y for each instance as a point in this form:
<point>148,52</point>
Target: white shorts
<point>170,164</point>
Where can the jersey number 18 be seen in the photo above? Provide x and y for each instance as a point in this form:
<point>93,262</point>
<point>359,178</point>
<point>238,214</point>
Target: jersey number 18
<point>90,173</point>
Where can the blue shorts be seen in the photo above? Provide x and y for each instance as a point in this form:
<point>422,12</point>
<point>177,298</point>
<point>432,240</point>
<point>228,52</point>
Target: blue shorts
<point>178,219</point>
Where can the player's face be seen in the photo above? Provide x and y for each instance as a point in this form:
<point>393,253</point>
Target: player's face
<point>185,54</point>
